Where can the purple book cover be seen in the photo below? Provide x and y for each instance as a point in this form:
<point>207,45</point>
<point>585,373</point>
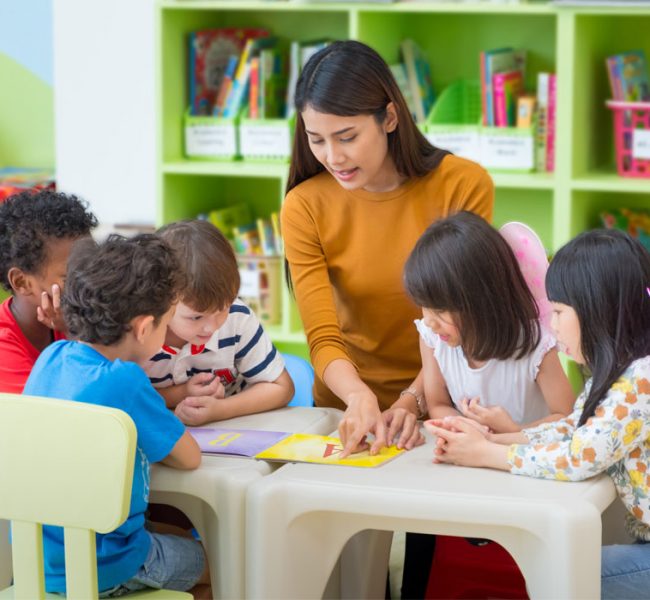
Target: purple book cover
<point>234,442</point>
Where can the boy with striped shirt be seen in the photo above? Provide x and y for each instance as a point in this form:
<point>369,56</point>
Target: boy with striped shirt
<point>217,362</point>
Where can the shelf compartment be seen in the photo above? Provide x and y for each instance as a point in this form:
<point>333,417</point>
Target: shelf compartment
<point>586,206</point>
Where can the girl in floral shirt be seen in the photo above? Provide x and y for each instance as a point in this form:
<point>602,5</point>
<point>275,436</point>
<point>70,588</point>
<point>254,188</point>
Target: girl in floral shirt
<point>598,285</point>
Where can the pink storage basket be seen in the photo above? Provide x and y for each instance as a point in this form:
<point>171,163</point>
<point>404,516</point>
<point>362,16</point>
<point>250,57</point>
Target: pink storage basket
<point>628,117</point>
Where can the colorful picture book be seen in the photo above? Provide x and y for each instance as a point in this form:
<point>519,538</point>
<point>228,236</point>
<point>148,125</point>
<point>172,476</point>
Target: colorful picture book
<point>628,76</point>
<point>500,60</point>
<point>285,447</point>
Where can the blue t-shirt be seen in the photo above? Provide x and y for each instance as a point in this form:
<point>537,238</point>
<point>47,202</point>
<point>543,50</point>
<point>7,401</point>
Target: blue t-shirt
<point>74,371</point>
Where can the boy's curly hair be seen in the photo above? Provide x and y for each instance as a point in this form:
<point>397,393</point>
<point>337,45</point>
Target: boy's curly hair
<point>111,283</point>
<point>28,219</point>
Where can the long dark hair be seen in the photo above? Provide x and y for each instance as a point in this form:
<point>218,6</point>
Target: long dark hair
<point>461,264</point>
<point>347,79</point>
<point>604,276</point>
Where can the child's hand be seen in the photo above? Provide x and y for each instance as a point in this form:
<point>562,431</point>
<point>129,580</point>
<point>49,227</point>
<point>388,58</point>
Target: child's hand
<point>197,410</point>
<point>49,312</point>
<point>496,418</point>
<point>205,384</point>
<point>448,423</point>
<point>403,422</point>
<point>459,442</point>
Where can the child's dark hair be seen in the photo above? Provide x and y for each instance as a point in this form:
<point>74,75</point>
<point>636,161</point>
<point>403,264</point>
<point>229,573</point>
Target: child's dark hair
<point>208,263</point>
<point>29,219</point>
<point>461,264</point>
<point>111,283</point>
<point>604,276</point>
<point>348,78</point>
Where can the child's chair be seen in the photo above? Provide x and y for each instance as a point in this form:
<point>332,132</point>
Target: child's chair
<point>302,374</point>
<point>68,464</point>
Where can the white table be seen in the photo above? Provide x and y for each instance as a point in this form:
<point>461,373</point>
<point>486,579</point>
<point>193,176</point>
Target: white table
<point>300,517</point>
<point>213,496</point>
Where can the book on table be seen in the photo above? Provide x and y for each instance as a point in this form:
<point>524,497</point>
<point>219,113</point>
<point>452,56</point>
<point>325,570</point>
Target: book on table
<point>285,447</point>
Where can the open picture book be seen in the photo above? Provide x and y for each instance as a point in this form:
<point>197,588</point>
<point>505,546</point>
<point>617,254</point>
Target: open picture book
<point>285,447</point>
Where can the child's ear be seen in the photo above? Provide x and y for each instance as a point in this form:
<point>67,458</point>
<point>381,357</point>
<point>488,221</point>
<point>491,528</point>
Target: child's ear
<point>20,282</point>
<point>141,327</point>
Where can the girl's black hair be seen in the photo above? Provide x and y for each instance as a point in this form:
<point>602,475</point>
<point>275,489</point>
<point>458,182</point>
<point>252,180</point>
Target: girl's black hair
<point>604,276</point>
<point>461,264</point>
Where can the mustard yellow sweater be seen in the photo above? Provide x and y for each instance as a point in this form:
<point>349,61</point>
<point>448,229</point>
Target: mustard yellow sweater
<point>346,251</point>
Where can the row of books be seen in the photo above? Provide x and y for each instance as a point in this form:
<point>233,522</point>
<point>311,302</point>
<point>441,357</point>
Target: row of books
<point>628,76</point>
<point>502,74</point>
<point>257,237</point>
<point>236,69</point>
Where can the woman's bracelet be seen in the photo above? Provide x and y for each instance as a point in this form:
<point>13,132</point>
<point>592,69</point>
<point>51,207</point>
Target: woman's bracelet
<point>420,402</point>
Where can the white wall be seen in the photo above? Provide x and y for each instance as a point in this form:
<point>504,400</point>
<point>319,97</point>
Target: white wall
<point>104,106</point>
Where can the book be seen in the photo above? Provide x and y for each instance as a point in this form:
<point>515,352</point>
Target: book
<point>550,123</point>
<point>267,237</point>
<point>226,85</point>
<point>299,54</point>
<point>275,223</point>
<point>209,54</point>
<point>628,76</point>
<point>234,442</point>
<point>507,87</point>
<point>226,219</point>
<point>541,127</point>
<point>321,449</point>
<point>399,73</point>
<point>418,75</point>
<point>525,111</point>
<point>284,447</point>
<point>254,89</point>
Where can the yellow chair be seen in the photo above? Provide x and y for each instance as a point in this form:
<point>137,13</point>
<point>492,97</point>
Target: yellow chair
<point>68,464</point>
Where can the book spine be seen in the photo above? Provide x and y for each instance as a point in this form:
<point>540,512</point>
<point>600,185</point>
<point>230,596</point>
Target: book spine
<point>540,137</point>
<point>499,94</point>
<point>226,85</point>
<point>484,88</point>
<point>254,89</point>
<point>550,123</point>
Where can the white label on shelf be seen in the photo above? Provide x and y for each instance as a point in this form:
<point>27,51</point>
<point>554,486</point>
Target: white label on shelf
<point>210,140</point>
<point>507,151</point>
<point>461,143</point>
<point>265,140</point>
<point>250,283</point>
<point>641,143</point>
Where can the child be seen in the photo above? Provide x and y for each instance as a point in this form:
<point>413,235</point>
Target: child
<point>598,285</point>
<point>216,362</point>
<point>118,299</point>
<point>37,231</point>
<point>483,352</point>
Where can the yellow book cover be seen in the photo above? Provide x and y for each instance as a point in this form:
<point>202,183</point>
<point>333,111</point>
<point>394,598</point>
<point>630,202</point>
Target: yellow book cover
<point>321,449</point>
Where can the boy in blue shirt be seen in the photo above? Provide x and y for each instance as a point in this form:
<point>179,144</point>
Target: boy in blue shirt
<point>118,299</point>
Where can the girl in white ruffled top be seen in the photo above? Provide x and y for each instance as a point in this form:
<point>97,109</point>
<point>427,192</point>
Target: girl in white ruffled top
<point>484,353</point>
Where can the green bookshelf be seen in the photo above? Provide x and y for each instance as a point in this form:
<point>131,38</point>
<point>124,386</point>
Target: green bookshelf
<point>573,42</point>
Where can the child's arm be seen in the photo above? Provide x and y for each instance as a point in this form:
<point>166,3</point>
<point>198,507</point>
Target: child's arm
<point>201,384</point>
<point>185,454</point>
<point>435,390</point>
<point>556,389</point>
<point>258,397</point>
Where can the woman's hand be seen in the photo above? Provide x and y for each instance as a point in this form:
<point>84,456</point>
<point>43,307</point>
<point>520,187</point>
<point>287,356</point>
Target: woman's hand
<point>497,418</point>
<point>404,422</point>
<point>361,417</point>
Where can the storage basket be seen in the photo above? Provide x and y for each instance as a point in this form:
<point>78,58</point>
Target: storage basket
<point>261,286</point>
<point>631,137</point>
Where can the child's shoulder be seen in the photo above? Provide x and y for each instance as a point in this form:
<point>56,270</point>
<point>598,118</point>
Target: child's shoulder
<point>639,371</point>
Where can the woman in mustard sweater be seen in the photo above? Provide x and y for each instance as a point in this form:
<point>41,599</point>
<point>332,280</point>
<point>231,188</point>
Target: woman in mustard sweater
<point>364,184</point>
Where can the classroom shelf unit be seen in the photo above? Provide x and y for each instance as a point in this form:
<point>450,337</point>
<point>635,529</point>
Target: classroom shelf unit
<point>571,41</point>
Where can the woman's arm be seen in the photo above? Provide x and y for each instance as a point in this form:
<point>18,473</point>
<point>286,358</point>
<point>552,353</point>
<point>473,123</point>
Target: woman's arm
<point>362,415</point>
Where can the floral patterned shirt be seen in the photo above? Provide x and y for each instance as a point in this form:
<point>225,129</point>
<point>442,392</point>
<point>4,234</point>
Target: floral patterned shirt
<point>615,439</point>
